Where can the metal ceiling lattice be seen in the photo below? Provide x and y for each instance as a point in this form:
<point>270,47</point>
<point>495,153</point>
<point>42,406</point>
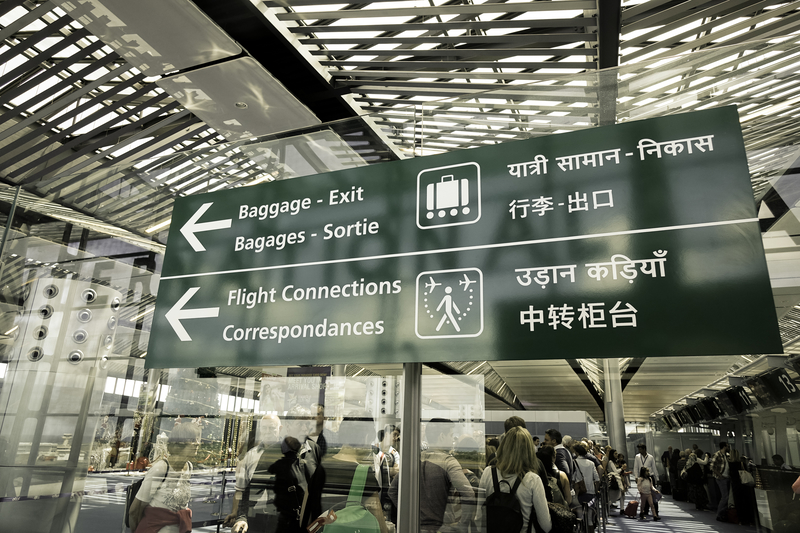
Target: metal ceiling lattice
<point>96,138</point>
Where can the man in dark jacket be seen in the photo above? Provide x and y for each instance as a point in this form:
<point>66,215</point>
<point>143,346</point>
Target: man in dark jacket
<point>564,460</point>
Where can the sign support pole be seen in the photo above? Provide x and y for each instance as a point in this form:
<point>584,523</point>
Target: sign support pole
<point>408,508</point>
<point>615,414</point>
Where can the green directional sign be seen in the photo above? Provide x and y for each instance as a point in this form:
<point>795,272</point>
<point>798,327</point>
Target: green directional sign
<point>638,239</point>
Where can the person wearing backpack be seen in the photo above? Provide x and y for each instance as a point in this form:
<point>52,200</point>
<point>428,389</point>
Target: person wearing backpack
<point>515,495</point>
<point>162,503</point>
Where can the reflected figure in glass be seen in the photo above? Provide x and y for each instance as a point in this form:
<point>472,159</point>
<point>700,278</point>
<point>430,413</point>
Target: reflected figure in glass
<point>162,503</point>
<point>440,473</point>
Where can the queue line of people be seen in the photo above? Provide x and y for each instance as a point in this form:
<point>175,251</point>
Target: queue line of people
<point>293,472</point>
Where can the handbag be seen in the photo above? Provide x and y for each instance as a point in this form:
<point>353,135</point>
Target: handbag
<point>580,486</point>
<point>562,519</point>
<point>657,495</point>
<point>748,479</point>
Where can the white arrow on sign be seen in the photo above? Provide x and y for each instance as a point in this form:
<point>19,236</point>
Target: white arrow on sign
<point>178,313</point>
<point>191,227</point>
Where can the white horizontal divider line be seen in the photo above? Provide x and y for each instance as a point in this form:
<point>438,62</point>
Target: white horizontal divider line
<point>467,248</point>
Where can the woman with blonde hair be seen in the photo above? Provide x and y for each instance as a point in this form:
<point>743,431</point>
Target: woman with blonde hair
<point>516,459</point>
<point>162,503</point>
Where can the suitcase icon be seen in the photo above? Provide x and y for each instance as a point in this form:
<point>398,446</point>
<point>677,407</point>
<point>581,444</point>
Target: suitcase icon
<point>449,196</point>
<point>448,193</point>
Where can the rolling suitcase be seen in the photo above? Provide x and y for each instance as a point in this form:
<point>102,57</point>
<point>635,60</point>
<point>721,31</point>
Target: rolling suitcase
<point>631,509</point>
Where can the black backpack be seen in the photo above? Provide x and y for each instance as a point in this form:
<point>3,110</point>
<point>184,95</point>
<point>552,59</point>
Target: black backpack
<point>503,511</point>
<point>133,490</point>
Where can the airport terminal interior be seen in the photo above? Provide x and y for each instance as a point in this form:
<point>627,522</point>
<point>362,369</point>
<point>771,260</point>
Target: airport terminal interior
<point>115,111</point>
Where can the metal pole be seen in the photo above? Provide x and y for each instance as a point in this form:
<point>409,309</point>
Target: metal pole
<point>615,417</point>
<point>408,504</point>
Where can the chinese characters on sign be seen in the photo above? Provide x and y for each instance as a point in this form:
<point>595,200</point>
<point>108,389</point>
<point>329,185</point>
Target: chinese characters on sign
<point>577,202</point>
<point>590,316</point>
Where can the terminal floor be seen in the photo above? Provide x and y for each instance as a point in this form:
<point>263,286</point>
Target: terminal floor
<point>676,517</point>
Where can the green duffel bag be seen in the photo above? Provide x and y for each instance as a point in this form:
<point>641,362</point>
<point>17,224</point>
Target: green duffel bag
<point>351,515</point>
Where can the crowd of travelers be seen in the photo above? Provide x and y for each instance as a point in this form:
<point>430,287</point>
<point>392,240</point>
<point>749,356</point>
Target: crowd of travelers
<point>295,476</point>
<point>722,482</point>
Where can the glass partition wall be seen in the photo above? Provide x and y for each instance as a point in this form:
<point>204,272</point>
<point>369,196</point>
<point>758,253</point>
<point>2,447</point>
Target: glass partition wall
<point>82,418</point>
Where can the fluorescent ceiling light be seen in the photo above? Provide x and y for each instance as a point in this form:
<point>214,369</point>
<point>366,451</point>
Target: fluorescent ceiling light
<point>158,226</point>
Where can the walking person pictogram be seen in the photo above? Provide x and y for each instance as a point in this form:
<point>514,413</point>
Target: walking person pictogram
<point>449,305</point>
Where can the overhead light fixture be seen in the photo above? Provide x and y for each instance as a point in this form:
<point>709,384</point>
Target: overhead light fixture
<point>158,226</point>
<point>241,105</point>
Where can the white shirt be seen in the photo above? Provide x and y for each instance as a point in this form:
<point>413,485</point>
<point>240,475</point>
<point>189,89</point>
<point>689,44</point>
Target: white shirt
<point>649,463</point>
<point>530,493</point>
<point>589,471</point>
<point>168,492</point>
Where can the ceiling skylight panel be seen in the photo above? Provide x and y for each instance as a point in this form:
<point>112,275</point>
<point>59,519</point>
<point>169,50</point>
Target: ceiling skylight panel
<point>657,86</point>
<point>678,31</point>
<point>631,35</point>
<point>341,36</point>
<point>409,34</point>
<point>379,96</point>
<point>648,55</point>
<point>128,147</point>
<point>367,21</point>
<point>560,70</point>
<point>424,98</point>
<point>67,52</point>
<point>722,38</point>
<point>317,7</point>
<point>786,88</point>
<point>48,42</point>
<point>54,119</point>
<point>96,74</point>
<point>705,79</point>
<point>396,5</point>
<point>628,51</point>
<point>36,25</point>
<point>12,16</point>
<point>780,58</point>
<point>85,113</point>
<point>515,59</point>
<point>494,32</point>
<point>339,47</point>
<point>551,15</point>
<point>425,46</point>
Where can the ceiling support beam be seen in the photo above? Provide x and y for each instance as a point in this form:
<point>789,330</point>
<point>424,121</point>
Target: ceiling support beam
<point>446,369</point>
<point>587,382</point>
<point>633,366</point>
<point>609,25</point>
